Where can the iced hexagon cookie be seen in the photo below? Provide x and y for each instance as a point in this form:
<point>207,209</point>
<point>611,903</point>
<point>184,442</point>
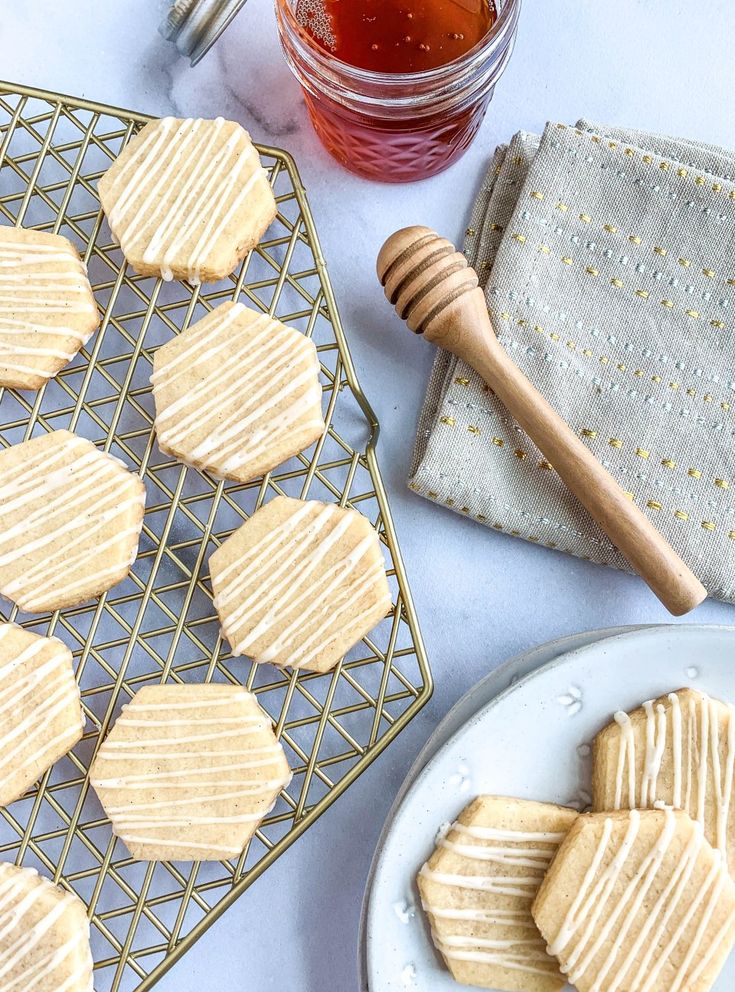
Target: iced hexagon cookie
<point>47,311</point>
<point>187,199</point>
<point>44,935</point>
<point>70,517</point>
<point>40,711</point>
<point>665,751</point>
<point>237,393</point>
<point>299,583</point>
<point>189,771</point>
<point>477,889</point>
<point>637,901</point>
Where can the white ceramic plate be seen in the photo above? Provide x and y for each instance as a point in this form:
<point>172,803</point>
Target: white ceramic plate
<point>473,700</point>
<point>531,741</point>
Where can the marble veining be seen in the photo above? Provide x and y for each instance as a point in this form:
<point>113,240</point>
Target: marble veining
<point>509,594</point>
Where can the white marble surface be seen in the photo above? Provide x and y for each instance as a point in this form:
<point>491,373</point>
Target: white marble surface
<point>657,64</point>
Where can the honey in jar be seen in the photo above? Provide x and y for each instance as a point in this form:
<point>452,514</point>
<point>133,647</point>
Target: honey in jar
<point>396,89</point>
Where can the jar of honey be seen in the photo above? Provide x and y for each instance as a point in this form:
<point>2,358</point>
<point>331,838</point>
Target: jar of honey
<point>396,89</point>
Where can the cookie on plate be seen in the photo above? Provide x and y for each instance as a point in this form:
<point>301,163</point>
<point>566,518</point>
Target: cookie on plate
<point>70,517</point>
<point>47,311</point>
<point>188,772</point>
<point>638,901</point>
<point>187,199</point>
<point>44,935</point>
<point>237,393</point>
<point>299,583</point>
<point>40,710</point>
<point>679,750</point>
<point>477,889</point>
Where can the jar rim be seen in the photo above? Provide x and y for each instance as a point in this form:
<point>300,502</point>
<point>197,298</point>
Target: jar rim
<point>492,41</point>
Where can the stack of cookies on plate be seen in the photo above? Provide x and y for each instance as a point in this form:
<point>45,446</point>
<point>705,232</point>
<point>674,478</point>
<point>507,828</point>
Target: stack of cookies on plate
<point>187,772</point>
<point>636,896</point>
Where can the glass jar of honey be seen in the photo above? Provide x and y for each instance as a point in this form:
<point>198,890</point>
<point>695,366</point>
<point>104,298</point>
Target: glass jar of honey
<point>398,101</point>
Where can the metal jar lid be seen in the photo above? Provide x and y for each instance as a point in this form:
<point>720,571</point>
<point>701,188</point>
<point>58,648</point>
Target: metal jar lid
<point>195,25</point>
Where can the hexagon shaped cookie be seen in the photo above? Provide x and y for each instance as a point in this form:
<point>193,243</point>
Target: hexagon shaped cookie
<point>188,772</point>
<point>299,583</point>
<point>187,199</point>
<point>237,393</point>
<point>47,311</point>
<point>40,710</point>
<point>70,517</point>
<point>44,935</point>
<point>637,900</point>
<point>477,888</point>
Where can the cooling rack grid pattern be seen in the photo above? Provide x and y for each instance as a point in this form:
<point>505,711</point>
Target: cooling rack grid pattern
<point>160,625</point>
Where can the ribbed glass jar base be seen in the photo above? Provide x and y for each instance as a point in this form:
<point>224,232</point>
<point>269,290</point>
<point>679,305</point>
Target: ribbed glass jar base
<point>379,149</point>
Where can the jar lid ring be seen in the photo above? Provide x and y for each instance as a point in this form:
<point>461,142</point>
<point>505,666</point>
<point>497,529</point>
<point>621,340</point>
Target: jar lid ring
<point>195,25</point>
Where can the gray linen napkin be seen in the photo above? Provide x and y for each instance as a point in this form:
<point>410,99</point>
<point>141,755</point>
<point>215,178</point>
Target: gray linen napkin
<point>608,261</point>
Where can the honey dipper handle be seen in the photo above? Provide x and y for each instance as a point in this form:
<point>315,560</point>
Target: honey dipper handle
<point>627,527</point>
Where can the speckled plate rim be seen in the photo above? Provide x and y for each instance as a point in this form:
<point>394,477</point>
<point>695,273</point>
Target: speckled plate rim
<point>470,709</point>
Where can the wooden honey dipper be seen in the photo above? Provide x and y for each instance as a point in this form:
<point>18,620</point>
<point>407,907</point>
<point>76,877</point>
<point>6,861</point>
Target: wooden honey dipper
<point>434,289</point>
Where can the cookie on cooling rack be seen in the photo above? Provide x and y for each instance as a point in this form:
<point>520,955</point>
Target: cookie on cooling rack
<point>47,311</point>
<point>188,772</point>
<point>187,199</point>
<point>237,393</point>
<point>40,711</point>
<point>638,901</point>
<point>299,583</point>
<point>44,935</point>
<point>477,889</point>
<point>679,750</point>
<point>70,517</point>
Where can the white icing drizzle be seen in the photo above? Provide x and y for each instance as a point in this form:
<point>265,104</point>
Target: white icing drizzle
<point>251,789</point>
<point>41,287</point>
<point>654,927</point>
<point>159,755</point>
<point>513,836</point>
<point>230,787</point>
<point>136,782</point>
<point>246,726</point>
<point>489,930</point>
<point>337,575</point>
<point>615,898</point>
<point>36,725</point>
<point>279,574</point>
<point>32,955</point>
<point>699,748</point>
<point>205,335</point>
<point>508,885</point>
<point>676,738</point>
<point>227,420</point>
<point>223,699</point>
<point>517,955</point>
<point>313,604</point>
<point>56,499</point>
<point>533,857</point>
<point>706,958</point>
<point>25,748</point>
<point>195,178</point>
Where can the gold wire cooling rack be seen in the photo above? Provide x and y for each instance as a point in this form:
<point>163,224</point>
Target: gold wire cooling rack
<point>160,625</point>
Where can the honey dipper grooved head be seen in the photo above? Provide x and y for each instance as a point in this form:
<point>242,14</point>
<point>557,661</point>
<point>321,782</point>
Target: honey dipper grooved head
<point>423,274</point>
